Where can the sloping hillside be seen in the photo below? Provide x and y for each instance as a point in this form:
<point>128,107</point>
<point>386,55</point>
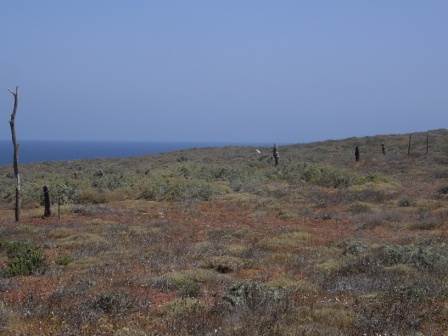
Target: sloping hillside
<point>218,241</point>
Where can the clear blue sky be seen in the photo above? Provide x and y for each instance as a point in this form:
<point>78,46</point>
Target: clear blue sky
<point>232,71</point>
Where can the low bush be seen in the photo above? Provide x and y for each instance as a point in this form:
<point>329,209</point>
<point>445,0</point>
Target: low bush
<point>259,309</point>
<point>255,296</point>
<point>324,176</point>
<point>353,247</point>
<point>405,202</point>
<point>187,284</point>
<point>402,306</point>
<point>286,240</point>
<point>358,208</point>
<point>187,316</point>
<point>24,258</point>
<point>112,303</point>
<point>4,316</point>
<point>374,219</point>
<point>425,257</point>
<point>64,260</point>
<point>65,192</point>
<point>181,189</point>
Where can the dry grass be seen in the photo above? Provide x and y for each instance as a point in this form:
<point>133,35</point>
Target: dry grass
<point>218,242</point>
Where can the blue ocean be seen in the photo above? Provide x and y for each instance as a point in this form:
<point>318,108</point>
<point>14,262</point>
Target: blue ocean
<point>41,151</point>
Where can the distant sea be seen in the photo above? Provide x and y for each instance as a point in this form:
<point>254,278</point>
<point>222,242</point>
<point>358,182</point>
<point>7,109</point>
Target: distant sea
<point>41,151</point>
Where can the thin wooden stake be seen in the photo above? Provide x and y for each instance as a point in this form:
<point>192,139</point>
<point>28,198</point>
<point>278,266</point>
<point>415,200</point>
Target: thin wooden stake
<point>409,144</point>
<point>47,202</point>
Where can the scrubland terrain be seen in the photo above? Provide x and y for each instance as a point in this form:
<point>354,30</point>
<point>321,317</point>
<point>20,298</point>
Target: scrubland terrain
<point>221,242</point>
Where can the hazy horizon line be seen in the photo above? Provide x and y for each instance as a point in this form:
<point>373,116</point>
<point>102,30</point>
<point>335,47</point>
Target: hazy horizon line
<point>221,142</point>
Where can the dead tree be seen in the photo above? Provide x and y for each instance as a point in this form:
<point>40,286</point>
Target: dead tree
<point>409,144</point>
<point>275,154</point>
<point>47,203</point>
<point>15,145</point>
<point>356,153</point>
<point>383,149</point>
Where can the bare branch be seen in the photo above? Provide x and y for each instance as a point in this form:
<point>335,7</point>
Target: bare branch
<point>14,93</point>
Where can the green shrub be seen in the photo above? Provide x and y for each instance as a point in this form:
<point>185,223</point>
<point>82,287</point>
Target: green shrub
<point>24,258</point>
<point>187,316</point>
<point>112,182</point>
<point>353,247</point>
<point>404,202</point>
<point>180,189</point>
<point>189,289</point>
<point>187,284</point>
<point>425,257</point>
<point>371,178</point>
<point>92,196</point>
<point>64,260</point>
<point>65,192</point>
<point>328,177</point>
<point>324,176</point>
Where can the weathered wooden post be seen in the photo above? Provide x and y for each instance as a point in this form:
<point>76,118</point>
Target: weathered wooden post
<point>275,154</point>
<point>47,203</point>
<point>15,145</point>
<point>383,149</point>
<point>409,144</point>
<point>427,143</point>
<point>356,153</point>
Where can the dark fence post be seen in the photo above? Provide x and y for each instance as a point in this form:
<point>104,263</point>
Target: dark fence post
<point>409,144</point>
<point>275,155</point>
<point>357,153</point>
<point>427,143</point>
<point>383,149</point>
<point>47,203</point>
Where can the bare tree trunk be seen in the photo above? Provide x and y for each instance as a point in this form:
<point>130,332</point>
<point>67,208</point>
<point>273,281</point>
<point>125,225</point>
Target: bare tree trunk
<point>409,144</point>
<point>47,203</point>
<point>15,145</point>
